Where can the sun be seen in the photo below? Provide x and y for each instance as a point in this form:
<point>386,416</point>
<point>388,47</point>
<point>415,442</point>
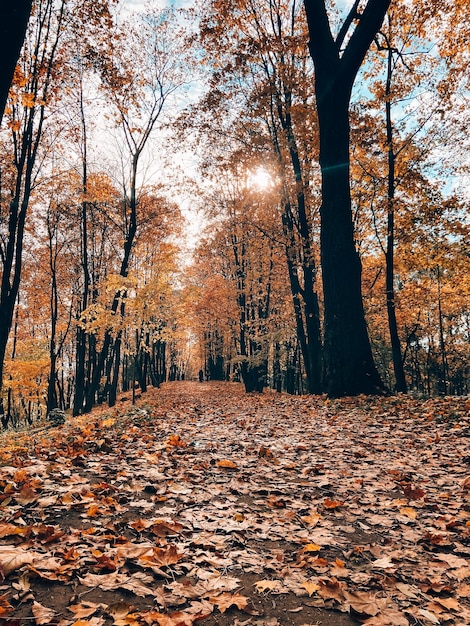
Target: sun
<point>260,179</point>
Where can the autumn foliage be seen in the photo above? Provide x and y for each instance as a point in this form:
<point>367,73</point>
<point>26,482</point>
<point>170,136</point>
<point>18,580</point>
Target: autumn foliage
<point>125,132</point>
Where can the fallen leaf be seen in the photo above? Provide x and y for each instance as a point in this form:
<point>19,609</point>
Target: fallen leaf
<point>310,587</point>
<point>227,464</point>
<point>332,504</point>
<point>224,601</point>
<point>267,585</point>
<point>42,615</point>
<point>408,511</point>
<point>311,547</point>
<point>14,557</point>
<point>84,609</point>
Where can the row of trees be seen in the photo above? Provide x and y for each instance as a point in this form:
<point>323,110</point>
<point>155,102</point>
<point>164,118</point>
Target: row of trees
<point>85,238</point>
<point>335,258</point>
<point>378,214</point>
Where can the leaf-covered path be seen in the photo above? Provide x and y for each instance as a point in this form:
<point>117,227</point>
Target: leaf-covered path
<point>203,503</point>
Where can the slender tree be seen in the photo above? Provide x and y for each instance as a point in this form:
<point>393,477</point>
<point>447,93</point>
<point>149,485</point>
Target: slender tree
<point>349,365</point>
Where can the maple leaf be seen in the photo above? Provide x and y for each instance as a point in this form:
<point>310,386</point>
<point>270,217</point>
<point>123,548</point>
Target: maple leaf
<point>163,556</point>
<point>331,588</point>
<point>109,582</point>
<point>225,600</point>
<point>310,586</point>
<point>363,604</point>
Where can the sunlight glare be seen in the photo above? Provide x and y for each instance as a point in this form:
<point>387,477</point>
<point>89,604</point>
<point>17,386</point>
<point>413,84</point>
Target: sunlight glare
<point>260,179</point>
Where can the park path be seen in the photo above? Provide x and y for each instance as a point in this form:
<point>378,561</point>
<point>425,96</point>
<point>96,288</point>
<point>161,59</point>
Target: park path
<point>204,504</point>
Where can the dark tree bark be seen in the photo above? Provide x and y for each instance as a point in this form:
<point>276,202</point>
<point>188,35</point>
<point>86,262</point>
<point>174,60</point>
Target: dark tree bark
<point>398,368</point>
<point>348,361</point>
<point>14,16</point>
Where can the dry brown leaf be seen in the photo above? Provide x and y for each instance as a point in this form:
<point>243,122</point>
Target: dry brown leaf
<point>388,617</point>
<point>331,588</point>
<point>332,504</point>
<point>408,511</point>
<point>42,615</point>
<point>362,604</point>
<point>12,529</point>
<point>14,557</point>
<point>267,585</point>
<point>84,609</point>
<point>312,519</point>
<point>448,603</point>
<point>119,610</point>
<point>225,600</point>
<point>311,547</point>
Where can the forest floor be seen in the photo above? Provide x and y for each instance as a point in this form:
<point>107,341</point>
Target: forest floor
<point>201,504</point>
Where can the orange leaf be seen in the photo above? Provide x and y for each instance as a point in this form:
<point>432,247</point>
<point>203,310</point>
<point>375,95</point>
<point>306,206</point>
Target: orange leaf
<point>226,463</point>
<point>332,504</point>
<point>176,441</point>
<point>312,547</point>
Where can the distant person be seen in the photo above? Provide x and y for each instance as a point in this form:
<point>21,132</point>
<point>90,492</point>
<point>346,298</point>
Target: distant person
<point>201,376</point>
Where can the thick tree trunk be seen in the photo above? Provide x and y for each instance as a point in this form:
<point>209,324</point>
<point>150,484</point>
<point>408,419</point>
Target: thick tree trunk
<point>349,366</point>
<point>348,363</point>
<point>14,16</point>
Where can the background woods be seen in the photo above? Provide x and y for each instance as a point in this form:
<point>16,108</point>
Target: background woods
<point>321,152</point>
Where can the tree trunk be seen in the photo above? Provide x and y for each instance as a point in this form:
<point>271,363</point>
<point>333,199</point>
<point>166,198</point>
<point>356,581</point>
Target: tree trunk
<point>399,371</point>
<point>14,16</point>
<point>348,363</point>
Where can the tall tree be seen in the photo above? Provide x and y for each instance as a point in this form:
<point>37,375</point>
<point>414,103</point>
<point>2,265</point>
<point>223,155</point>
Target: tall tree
<point>13,22</point>
<point>349,365</point>
<point>32,91</point>
<point>260,46</point>
<point>138,102</point>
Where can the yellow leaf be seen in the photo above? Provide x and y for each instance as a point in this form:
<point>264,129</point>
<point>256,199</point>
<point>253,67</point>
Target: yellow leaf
<point>409,512</point>
<point>310,587</point>
<point>312,547</point>
<point>311,519</point>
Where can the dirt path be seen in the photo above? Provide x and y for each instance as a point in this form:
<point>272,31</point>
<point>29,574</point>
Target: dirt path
<point>204,504</point>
